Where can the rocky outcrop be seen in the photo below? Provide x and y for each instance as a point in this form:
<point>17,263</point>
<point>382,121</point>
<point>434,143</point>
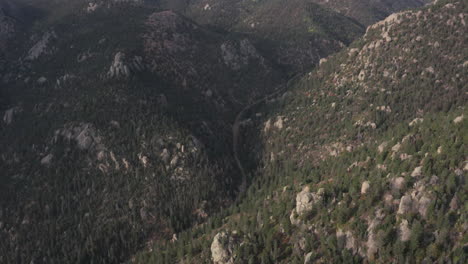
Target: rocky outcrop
<point>92,7</point>
<point>118,67</point>
<point>406,205</point>
<point>458,119</point>
<point>374,239</point>
<point>279,124</point>
<point>417,200</point>
<point>122,67</point>
<point>238,55</point>
<point>222,248</point>
<point>397,184</point>
<point>404,232</point>
<point>47,160</point>
<point>10,17</point>
<point>41,47</point>
<point>308,258</point>
<point>417,172</point>
<point>9,114</point>
<point>346,240</point>
<point>365,187</point>
<point>83,134</point>
<point>305,200</point>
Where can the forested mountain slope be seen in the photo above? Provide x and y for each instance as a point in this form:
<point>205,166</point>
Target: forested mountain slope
<point>365,161</point>
<point>370,11</point>
<point>297,33</point>
<point>116,131</point>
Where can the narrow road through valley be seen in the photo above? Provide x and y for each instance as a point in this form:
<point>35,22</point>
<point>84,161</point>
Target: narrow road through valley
<point>236,128</point>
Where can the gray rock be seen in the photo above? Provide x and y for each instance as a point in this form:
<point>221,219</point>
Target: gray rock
<point>84,134</point>
<point>417,172</point>
<point>308,258</point>
<point>47,160</point>
<point>174,161</point>
<point>304,201</point>
<point>365,187</point>
<point>165,156</point>
<point>237,55</point>
<point>404,232</point>
<point>397,183</point>
<point>279,123</point>
<point>9,114</point>
<point>118,67</point>
<point>406,205</point>
<point>423,205</point>
<point>41,46</point>
<point>222,248</point>
<point>454,204</point>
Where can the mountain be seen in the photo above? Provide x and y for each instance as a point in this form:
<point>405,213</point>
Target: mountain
<point>362,160</point>
<point>370,11</point>
<point>112,124</point>
<point>296,33</point>
<point>173,127</point>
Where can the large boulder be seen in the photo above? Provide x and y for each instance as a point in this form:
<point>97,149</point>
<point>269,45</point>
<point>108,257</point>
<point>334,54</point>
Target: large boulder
<point>406,205</point>
<point>9,114</point>
<point>404,232</point>
<point>222,248</point>
<point>84,135</point>
<point>365,187</point>
<point>306,199</point>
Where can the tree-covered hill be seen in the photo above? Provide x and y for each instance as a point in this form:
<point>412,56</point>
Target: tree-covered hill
<point>116,132</point>
<point>364,160</point>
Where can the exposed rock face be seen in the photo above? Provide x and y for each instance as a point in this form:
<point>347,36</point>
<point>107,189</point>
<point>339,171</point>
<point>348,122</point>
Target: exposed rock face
<point>279,122</point>
<point>374,239</point>
<point>305,200</point>
<point>459,119</point>
<point>404,232</point>
<point>396,148</point>
<point>12,20</point>
<point>397,183</point>
<point>423,205</point>
<point>84,135</point>
<point>308,258</point>
<point>454,204</point>
<point>416,121</point>
<point>267,126</point>
<point>41,46</point>
<point>118,67</point>
<point>222,249</point>
<point>9,114</point>
<point>346,240</point>
<point>417,200</point>
<point>41,80</point>
<point>238,55</point>
<point>417,172</point>
<point>92,7</point>
<point>382,147</point>
<point>165,156</point>
<point>47,160</point>
<point>406,205</point>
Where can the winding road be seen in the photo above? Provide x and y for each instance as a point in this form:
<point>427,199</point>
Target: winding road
<point>236,128</point>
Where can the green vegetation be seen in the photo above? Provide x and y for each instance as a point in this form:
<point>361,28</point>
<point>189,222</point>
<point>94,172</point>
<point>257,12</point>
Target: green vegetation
<point>116,141</point>
<point>401,126</point>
